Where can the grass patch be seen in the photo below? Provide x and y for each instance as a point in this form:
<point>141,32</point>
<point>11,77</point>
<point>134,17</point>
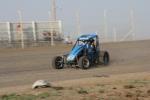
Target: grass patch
<point>55,93</point>
<point>129,86</point>
<point>24,96</point>
<point>102,85</point>
<point>82,91</point>
<point>18,97</point>
<point>43,95</point>
<point>101,91</point>
<point>58,88</point>
<point>140,82</point>
<point>70,88</point>
<point>129,95</point>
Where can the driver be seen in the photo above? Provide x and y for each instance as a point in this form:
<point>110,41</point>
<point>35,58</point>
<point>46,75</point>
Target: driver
<point>92,44</point>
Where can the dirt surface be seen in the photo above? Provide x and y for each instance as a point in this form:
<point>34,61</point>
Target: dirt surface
<point>22,67</point>
<point>134,86</point>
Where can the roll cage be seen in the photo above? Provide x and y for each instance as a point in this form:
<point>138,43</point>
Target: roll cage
<point>86,39</point>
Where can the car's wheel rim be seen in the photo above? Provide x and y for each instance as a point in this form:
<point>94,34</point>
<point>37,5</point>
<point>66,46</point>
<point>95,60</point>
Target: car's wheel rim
<point>86,63</point>
<point>59,62</point>
<point>105,59</point>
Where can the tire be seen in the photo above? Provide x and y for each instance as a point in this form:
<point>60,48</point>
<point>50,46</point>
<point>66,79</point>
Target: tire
<point>104,57</point>
<point>58,62</point>
<point>84,62</point>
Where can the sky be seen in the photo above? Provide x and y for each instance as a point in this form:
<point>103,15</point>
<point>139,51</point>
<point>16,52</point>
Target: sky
<point>91,14</point>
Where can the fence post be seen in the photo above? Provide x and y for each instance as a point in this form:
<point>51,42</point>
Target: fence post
<point>51,33</point>
<point>52,37</point>
<point>21,29</point>
<point>34,30</point>
<point>60,28</point>
<point>9,31</point>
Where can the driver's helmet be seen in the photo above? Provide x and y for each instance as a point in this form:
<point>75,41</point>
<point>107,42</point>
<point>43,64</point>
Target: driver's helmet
<point>91,41</point>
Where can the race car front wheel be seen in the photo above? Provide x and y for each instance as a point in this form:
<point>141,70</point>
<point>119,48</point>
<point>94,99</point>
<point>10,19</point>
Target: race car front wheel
<point>58,62</point>
<point>84,62</point>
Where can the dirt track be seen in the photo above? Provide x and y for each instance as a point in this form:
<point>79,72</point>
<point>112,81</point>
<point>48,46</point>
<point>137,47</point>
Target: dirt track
<point>23,67</point>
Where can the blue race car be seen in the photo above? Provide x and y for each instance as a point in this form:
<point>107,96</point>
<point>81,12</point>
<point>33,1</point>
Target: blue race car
<point>84,54</point>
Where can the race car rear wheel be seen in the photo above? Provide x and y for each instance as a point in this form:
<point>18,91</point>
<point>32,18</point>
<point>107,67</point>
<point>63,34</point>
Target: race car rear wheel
<point>58,62</point>
<point>104,57</point>
<point>84,62</point>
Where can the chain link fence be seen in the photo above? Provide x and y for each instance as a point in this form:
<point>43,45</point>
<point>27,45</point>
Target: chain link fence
<point>29,33</point>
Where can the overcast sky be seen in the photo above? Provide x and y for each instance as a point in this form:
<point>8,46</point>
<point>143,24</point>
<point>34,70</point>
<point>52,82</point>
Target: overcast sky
<point>91,14</point>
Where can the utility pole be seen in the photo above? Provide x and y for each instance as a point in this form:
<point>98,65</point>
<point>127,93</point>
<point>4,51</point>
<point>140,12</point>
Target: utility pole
<point>53,10</point>
<point>132,27</point>
<point>21,29</point>
<point>53,18</point>
<point>78,23</point>
<point>51,30</point>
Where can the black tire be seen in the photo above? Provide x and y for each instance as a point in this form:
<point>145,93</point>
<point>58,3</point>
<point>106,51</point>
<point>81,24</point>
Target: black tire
<point>104,57</point>
<point>58,62</point>
<point>84,62</point>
